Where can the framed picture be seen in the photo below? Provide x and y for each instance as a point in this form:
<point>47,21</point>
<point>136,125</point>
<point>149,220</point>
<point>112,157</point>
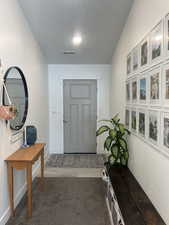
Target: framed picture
<point>129,64</point>
<point>128,91</point>
<point>143,86</point>
<point>144,53</point>
<point>156,43</point>
<point>142,121</point>
<point>134,120</point>
<point>165,85</point>
<point>127,118</point>
<point>153,126</point>
<point>165,130</point>
<point>166,37</point>
<point>134,90</point>
<point>155,86</point>
<point>135,59</point>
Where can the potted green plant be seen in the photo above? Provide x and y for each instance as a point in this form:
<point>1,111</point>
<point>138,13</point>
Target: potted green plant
<point>116,142</point>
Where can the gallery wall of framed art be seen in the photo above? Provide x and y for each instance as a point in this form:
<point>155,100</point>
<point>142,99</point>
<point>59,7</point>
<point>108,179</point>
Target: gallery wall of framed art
<point>147,88</point>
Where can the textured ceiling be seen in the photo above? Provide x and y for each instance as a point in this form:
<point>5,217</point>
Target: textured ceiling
<point>54,22</point>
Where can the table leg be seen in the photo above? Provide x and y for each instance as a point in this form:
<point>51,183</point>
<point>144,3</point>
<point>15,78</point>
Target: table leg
<point>42,170</point>
<point>29,187</point>
<point>10,187</point>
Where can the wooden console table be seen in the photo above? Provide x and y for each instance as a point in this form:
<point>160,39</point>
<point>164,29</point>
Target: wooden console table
<point>24,158</point>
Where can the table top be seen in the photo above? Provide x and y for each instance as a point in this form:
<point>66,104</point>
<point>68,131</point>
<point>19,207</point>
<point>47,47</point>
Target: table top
<point>26,154</point>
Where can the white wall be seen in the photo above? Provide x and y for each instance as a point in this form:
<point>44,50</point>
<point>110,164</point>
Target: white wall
<point>148,166</point>
<point>57,73</point>
<point>19,48</point>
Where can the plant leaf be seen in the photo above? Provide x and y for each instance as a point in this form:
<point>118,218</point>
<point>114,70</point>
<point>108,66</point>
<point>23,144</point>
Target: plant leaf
<point>112,133</point>
<point>115,151</point>
<point>107,143</point>
<point>105,121</point>
<point>121,128</point>
<point>126,155</point>
<point>128,132</point>
<point>123,143</point>
<point>101,130</point>
<point>111,159</point>
<point>123,160</point>
<point>116,118</point>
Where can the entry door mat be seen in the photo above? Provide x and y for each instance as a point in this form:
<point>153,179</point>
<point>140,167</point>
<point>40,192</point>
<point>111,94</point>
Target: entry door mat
<point>65,201</point>
<point>76,161</point>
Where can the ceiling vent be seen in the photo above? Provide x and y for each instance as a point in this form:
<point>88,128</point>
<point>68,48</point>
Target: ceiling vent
<point>69,52</point>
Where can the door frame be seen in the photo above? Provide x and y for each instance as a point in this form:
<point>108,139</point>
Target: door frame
<point>98,80</point>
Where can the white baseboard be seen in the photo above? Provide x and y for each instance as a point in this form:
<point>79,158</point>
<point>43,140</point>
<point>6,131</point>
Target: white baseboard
<point>5,217</point>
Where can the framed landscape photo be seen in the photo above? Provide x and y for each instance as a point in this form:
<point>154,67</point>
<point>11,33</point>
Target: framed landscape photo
<point>165,130</point>
<point>156,43</point>
<point>142,122</point>
<point>155,86</point>
<point>135,59</point>
<point>134,90</point>
<point>127,118</point>
<point>129,64</point>
<point>128,92</point>
<point>165,85</point>
<point>134,120</point>
<point>153,126</point>
<point>143,86</point>
<point>144,53</point>
<point>166,37</point>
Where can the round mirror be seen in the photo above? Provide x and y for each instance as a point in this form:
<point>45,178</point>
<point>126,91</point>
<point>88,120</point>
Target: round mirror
<point>18,93</point>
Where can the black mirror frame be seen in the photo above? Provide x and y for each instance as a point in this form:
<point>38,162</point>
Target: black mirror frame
<point>26,94</point>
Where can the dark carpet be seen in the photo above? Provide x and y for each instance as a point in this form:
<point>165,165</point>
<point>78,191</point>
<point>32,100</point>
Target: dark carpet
<point>76,161</point>
<point>65,201</point>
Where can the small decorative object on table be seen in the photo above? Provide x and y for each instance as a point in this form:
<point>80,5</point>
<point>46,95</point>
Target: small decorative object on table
<point>30,135</point>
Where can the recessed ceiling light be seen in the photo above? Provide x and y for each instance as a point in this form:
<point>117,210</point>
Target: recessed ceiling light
<point>77,39</point>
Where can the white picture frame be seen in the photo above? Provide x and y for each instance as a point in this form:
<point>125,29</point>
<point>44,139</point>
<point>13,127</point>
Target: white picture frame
<point>128,91</point>
<point>128,118</point>
<point>165,85</point>
<point>134,120</point>
<point>143,88</point>
<point>129,64</point>
<point>135,59</point>
<point>154,127</point>
<point>134,90</point>
<point>157,43</point>
<point>154,86</point>
<point>142,122</point>
<point>166,36</point>
<point>165,131</point>
<point>144,53</point>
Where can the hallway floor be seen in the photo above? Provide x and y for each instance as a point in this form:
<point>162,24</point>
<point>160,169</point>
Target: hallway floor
<point>66,201</point>
<point>72,196</point>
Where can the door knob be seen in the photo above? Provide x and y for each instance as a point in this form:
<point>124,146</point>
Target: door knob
<point>65,121</point>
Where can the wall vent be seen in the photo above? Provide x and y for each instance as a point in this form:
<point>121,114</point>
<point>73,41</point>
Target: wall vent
<point>69,52</point>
